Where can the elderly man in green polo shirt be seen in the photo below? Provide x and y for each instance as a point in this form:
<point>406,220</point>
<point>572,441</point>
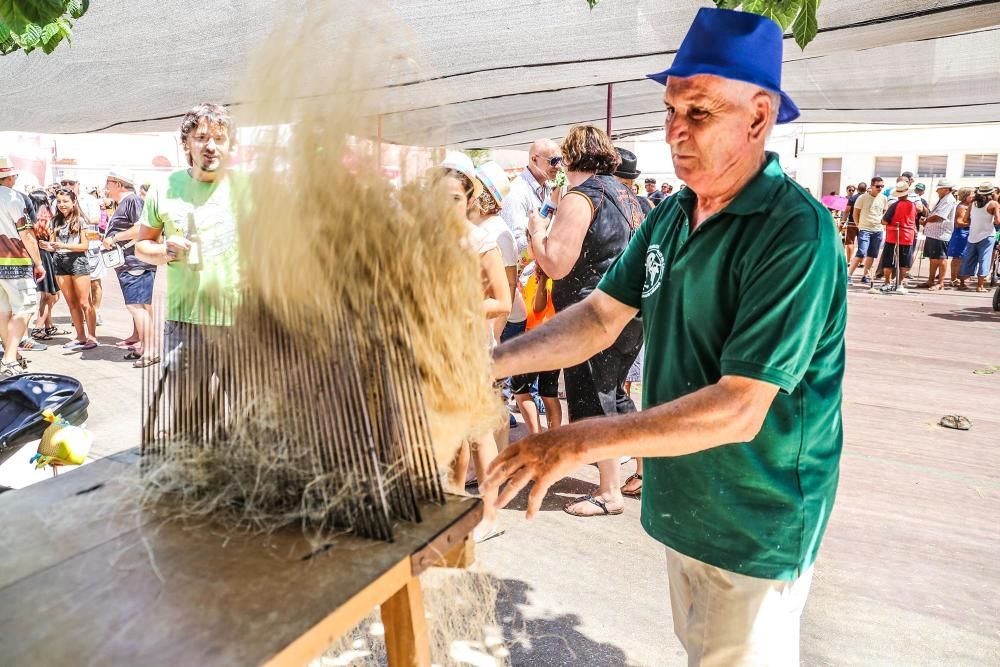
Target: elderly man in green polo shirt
<point>741,283</point>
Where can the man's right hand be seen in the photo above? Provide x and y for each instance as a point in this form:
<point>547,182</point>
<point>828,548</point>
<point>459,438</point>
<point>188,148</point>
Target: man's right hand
<point>177,247</point>
<point>39,272</point>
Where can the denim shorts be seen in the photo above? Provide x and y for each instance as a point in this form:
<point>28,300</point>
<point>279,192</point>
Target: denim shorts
<point>977,258</point>
<point>138,289</point>
<point>869,243</point>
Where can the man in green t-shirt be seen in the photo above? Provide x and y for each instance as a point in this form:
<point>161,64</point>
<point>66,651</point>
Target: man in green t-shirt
<point>189,224</point>
<point>741,283</point>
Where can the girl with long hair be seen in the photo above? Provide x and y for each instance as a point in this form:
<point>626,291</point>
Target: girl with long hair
<point>48,288</point>
<point>456,177</point>
<point>69,249</point>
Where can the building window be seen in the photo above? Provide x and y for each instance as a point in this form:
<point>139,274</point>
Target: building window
<point>831,176</point>
<point>980,166</point>
<point>888,167</point>
<point>931,166</point>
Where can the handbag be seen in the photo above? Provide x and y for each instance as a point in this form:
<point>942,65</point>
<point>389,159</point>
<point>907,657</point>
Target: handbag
<point>115,257</point>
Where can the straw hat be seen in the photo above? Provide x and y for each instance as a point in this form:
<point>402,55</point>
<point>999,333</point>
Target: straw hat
<point>985,188</point>
<point>901,187</point>
<point>945,184</point>
<point>495,179</point>
<point>462,163</point>
<point>7,167</point>
<point>121,177</point>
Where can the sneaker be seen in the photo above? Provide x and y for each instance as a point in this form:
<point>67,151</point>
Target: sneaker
<point>902,290</point>
<point>513,422</point>
<point>100,320</point>
<point>887,289</point>
<point>865,280</point>
<point>874,290</point>
<point>29,345</point>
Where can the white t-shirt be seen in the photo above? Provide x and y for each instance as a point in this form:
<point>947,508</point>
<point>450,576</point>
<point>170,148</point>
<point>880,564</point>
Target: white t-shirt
<point>498,230</point>
<point>942,229</point>
<point>11,211</point>
<point>91,208</point>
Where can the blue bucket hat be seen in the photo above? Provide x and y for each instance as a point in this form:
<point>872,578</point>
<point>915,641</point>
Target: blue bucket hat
<point>734,45</point>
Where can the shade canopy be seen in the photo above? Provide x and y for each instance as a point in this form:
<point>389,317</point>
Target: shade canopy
<point>501,73</point>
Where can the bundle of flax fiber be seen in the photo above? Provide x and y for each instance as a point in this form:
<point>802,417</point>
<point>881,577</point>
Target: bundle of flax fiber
<point>332,387</point>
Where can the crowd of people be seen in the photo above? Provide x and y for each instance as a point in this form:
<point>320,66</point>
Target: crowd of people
<point>59,241</point>
<point>882,228</point>
<point>578,271</point>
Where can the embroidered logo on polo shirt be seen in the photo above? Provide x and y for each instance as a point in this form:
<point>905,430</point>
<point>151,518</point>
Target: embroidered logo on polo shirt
<point>654,270</point>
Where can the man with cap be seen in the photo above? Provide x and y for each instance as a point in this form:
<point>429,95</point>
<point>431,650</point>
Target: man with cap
<point>652,194</point>
<point>135,276</point>
<point>20,267</point>
<point>937,230</point>
<point>740,279</point>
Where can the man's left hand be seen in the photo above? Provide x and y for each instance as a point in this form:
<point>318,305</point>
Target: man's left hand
<point>544,459</point>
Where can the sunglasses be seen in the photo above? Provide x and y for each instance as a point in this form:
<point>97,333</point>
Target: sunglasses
<point>67,182</point>
<point>553,161</point>
<point>876,186</point>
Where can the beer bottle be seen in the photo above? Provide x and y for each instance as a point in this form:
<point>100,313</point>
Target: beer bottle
<point>194,252</point>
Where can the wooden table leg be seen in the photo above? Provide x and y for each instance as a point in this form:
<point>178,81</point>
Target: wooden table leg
<point>406,641</point>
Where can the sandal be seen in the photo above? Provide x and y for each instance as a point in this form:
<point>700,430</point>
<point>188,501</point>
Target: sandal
<point>148,361</point>
<point>39,334</point>
<point>125,345</point>
<point>957,422</point>
<point>55,331</point>
<point>132,355</point>
<point>632,494</point>
<point>594,501</point>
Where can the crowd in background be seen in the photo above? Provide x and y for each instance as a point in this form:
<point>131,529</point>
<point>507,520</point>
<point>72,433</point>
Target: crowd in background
<point>71,241</point>
<point>885,228</point>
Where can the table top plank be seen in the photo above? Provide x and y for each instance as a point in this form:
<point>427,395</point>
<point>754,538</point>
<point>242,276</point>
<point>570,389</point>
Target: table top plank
<point>152,592</point>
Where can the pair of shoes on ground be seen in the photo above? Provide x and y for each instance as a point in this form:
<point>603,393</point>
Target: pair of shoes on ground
<point>78,346</point>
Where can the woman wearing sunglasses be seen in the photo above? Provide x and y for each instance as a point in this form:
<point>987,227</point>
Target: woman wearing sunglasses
<point>593,224</point>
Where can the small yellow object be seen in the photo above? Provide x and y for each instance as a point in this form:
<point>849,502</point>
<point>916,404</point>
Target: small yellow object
<point>62,443</point>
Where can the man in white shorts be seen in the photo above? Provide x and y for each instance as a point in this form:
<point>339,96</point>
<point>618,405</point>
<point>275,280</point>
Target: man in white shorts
<point>18,250</point>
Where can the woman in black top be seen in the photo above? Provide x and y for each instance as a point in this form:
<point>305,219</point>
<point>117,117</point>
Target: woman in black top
<point>592,226</point>
<point>69,250</point>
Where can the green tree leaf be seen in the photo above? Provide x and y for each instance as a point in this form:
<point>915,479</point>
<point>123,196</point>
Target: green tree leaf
<point>800,14</point>
<point>30,24</point>
<point>805,26</point>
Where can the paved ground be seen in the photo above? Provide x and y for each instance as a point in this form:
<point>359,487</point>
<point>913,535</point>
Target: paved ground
<point>909,573</point>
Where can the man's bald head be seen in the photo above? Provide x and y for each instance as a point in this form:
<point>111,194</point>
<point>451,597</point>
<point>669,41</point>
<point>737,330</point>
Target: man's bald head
<point>543,147</point>
<point>540,158</point>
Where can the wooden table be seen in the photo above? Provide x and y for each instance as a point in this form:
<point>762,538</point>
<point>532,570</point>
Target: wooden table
<point>83,582</point>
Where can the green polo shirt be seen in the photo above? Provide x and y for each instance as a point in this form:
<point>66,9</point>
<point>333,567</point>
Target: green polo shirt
<point>758,291</point>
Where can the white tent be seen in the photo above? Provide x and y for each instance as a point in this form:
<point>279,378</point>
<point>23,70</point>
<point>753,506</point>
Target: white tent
<point>501,73</point>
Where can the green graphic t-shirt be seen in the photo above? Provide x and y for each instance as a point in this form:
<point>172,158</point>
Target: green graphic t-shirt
<point>758,291</point>
<point>208,295</point>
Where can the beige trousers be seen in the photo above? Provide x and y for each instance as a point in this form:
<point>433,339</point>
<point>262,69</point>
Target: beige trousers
<point>725,619</point>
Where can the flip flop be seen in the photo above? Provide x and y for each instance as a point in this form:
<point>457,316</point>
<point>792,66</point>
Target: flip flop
<point>594,501</point>
<point>632,494</point>
<point>148,361</point>
<point>122,345</point>
<point>957,422</point>
<point>496,532</point>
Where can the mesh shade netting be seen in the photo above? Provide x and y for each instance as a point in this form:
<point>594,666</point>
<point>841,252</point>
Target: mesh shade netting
<point>503,73</point>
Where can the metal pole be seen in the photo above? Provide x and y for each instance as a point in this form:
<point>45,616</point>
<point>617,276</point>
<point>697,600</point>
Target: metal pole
<point>378,145</point>
<point>611,87</point>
